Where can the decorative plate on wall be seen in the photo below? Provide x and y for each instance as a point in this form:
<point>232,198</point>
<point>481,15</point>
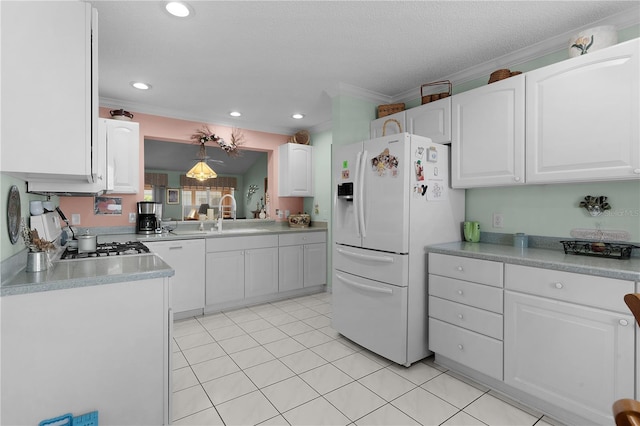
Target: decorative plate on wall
<point>13,214</point>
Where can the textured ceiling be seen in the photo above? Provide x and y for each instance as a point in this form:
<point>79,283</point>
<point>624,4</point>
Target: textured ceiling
<point>269,59</point>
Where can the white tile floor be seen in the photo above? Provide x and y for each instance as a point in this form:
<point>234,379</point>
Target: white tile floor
<point>281,363</point>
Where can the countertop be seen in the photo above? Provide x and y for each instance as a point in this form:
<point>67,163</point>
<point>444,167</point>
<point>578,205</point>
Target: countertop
<point>88,272</point>
<point>544,258</point>
<point>105,270</point>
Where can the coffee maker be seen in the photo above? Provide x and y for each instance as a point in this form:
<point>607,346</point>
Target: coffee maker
<point>147,219</point>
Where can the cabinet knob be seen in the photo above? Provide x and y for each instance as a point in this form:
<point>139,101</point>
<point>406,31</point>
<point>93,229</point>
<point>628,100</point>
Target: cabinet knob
<point>460,268</point>
<point>517,178</point>
<point>460,316</point>
<point>460,347</point>
<point>558,285</point>
<point>460,292</point>
<point>623,322</point>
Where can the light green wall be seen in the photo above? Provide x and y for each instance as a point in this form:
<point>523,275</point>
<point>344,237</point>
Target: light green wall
<point>552,210</point>
<point>350,119</point>
<point>320,205</point>
<point>254,176</point>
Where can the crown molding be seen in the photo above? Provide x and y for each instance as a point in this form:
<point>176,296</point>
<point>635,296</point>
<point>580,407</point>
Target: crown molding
<point>358,93</point>
<point>180,115</point>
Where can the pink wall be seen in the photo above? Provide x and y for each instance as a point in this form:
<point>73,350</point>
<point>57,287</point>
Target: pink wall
<point>174,130</point>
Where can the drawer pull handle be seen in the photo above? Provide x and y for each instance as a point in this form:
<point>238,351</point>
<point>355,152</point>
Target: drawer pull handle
<point>558,285</point>
<point>461,347</point>
<point>460,292</point>
<point>175,248</point>
<point>460,316</point>
<point>460,268</point>
<point>623,322</point>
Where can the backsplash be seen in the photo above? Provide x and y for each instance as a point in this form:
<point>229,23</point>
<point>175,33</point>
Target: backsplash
<point>553,210</point>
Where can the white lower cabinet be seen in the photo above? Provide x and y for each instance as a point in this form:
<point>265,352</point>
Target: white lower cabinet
<point>100,347</point>
<point>260,271</point>
<point>241,267</point>
<point>465,317</point>
<point>302,260</point>
<point>569,339</point>
<point>225,277</point>
<point>186,257</point>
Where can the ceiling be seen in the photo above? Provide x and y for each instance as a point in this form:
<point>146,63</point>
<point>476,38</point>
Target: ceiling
<point>269,59</point>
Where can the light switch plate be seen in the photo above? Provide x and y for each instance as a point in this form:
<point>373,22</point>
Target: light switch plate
<point>75,219</point>
<point>132,217</point>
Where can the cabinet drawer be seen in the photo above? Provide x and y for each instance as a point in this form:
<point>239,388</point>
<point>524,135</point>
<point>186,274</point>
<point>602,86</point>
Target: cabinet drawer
<point>606,293</point>
<point>241,243</point>
<point>299,238</point>
<point>465,268</point>
<point>474,350</point>
<point>474,319</point>
<point>472,294</point>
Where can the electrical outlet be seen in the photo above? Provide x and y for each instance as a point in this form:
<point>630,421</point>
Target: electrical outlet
<point>75,219</point>
<point>132,217</point>
<point>498,220</point>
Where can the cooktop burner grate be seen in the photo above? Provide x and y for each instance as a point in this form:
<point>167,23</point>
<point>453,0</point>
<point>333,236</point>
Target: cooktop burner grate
<point>107,249</point>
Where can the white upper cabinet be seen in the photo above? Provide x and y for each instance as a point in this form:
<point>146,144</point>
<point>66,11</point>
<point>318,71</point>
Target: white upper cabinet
<point>49,90</point>
<point>295,170</point>
<point>487,135</point>
<point>391,124</point>
<point>432,120</point>
<point>582,117</point>
<point>123,156</point>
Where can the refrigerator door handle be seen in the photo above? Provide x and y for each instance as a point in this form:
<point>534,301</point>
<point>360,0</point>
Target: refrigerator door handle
<point>364,286</point>
<point>381,259</point>
<point>363,166</point>
<point>356,196</point>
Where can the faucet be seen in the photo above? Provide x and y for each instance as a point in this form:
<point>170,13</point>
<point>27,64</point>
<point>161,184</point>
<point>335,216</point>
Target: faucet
<point>220,214</point>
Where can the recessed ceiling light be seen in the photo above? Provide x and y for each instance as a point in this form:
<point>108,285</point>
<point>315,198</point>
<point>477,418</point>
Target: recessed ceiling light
<point>177,8</point>
<point>235,114</point>
<point>140,85</point>
<point>297,116</point>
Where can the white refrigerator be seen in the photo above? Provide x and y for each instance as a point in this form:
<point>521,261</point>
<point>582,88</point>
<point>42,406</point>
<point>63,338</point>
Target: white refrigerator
<point>391,199</point>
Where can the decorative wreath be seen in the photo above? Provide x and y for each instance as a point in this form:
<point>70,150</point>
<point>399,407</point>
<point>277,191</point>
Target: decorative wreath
<point>205,135</point>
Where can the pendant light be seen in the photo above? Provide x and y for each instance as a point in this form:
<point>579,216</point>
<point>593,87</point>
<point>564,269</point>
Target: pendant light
<point>201,171</point>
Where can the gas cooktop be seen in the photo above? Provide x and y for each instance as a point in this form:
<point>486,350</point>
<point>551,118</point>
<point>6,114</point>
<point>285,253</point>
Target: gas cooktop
<point>106,249</point>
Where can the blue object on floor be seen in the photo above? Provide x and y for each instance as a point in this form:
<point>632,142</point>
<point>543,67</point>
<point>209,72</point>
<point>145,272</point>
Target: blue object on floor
<point>89,419</point>
<point>64,420</point>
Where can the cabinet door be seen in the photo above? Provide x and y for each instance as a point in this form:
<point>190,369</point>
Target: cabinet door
<point>572,356</point>
<point>48,111</point>
<point>378,129</point>
<point>291,267</point>
<point>432,120</point>
<point>295,177</point>
<point>487,135</point>
<point>224,277</point>
<point>315,264</point>
<point>187,257</point>
<point>261,272</point>
<point>123,153</point>
<point>582,117</point>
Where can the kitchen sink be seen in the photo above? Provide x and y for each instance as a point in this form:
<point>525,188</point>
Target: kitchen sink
<point>215,231</point>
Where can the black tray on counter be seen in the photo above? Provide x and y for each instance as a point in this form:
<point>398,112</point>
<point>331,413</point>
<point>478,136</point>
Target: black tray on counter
<point>598,249</point>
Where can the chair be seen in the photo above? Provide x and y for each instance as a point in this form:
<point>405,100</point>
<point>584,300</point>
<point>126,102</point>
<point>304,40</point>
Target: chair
<point>633,302</point>
<point>626,412</point>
